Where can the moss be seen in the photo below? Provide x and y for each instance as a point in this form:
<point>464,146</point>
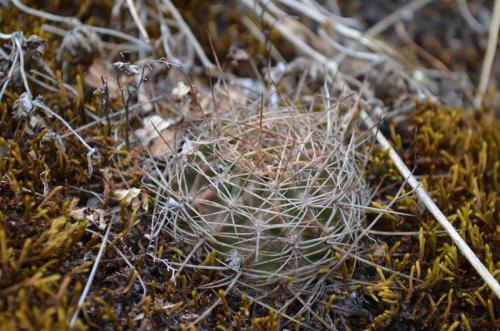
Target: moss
<point>456,155</point>
<point>44,251</point>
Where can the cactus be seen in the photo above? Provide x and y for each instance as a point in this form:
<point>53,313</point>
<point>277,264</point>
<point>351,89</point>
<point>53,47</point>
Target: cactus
<point>270,191</point>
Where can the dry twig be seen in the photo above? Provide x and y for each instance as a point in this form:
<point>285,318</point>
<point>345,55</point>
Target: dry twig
<point>489,56</point>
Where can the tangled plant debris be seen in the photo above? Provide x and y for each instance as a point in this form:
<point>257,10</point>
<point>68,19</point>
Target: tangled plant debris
<point>204,165</point>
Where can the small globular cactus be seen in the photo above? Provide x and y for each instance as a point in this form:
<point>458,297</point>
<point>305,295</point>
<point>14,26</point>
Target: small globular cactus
<point>270,191</point>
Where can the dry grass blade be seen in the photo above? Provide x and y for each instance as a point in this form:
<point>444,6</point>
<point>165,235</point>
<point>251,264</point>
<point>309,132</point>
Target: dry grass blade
<point>137,20</point>
<point>489,56</point>
<point>86,289</point>
<point>396,16</point>
<point>189,34</point>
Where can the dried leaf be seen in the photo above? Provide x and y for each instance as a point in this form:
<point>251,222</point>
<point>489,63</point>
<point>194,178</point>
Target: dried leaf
<point>139,317</point>
<point>94,76</point>
<point>126,196</point>
<point>188,148</point>
<point>180,90</point>
<point>237,54</point>
<point>132,197</point>
<point>160,144</point>
<point>93,215</point>
<point>151,126</point>
<point>164,144</point>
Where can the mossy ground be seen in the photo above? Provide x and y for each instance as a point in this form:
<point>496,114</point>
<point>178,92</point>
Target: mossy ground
<point>46,254</point>
<point>455,155</point>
